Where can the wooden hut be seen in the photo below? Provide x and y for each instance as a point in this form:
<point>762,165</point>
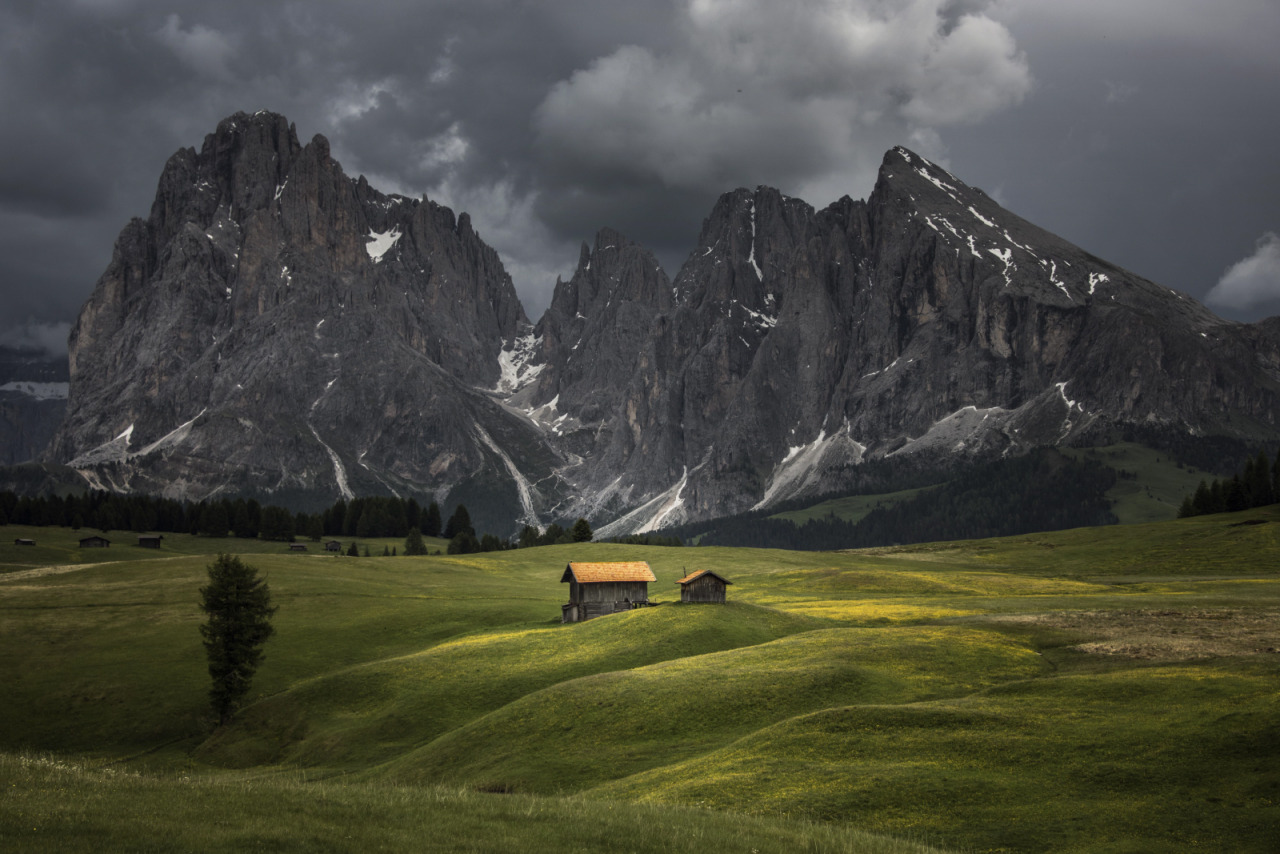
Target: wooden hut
<point>297,547</point>
<point>150,541</point>
<point>703,586</point>
<point>94,542</point>
<point>333,546</point>
<point>24,541</point>
<point>597,589</point>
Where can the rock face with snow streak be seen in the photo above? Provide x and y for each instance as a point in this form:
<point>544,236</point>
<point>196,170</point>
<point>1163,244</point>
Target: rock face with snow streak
<point>276,327</point>
<point>926,323</point>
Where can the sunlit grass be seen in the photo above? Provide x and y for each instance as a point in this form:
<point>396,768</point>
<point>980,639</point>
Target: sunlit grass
<point>1101,689</point>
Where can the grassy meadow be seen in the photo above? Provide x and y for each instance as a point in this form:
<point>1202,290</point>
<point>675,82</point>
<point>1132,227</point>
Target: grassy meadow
<point>1106,689</point>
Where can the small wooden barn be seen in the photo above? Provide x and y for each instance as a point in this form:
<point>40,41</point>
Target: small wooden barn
<point>24,541</point>
<point>703,586</point>
<point>94,542</point>
<point>597,589</point>
<point>333,546</point>
<point>297,547</point>
<point>150,541</point>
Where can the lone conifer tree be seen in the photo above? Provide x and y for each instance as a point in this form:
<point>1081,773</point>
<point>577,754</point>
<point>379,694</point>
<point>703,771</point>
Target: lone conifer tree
<point>413,544</point>
<point>238,604</point>
<point>582,531</point>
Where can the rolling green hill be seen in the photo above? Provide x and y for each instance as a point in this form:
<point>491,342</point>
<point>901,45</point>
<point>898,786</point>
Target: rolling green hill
<point>1094,689</point>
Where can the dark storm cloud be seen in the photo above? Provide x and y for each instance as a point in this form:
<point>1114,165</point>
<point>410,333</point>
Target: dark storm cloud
<point>1138,132</point>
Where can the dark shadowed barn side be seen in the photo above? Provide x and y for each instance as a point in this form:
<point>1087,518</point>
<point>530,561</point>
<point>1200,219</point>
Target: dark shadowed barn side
<point>703,586</point>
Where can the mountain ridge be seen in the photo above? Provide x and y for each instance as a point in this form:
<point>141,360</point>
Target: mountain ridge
<point>276,326</point>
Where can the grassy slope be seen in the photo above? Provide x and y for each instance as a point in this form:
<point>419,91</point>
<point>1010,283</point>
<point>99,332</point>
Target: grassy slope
<point>851,508</point>
<point>1153,495</point>
<point>908,690</point>
<point>1158,489</point>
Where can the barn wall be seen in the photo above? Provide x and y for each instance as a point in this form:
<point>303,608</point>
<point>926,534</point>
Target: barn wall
<point>597,599</point>
<point>708,588</point>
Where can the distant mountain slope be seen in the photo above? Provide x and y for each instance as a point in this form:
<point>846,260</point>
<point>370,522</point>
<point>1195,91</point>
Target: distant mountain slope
<point>33,399</point>
<point>277,327</point>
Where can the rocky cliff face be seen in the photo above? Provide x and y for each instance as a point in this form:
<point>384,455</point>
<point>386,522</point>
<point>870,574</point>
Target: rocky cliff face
<point>277,327</point>
<point>927,323</point>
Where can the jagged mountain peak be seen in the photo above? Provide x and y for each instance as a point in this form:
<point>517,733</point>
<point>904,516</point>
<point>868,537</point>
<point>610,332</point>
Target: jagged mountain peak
<point>277,326</point>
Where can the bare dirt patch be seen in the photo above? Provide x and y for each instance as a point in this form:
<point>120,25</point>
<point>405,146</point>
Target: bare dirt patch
<point>1167,634</point>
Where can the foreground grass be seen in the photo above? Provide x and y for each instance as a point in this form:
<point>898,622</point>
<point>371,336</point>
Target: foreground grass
<point>54,805</point>
<point>1104,689</point>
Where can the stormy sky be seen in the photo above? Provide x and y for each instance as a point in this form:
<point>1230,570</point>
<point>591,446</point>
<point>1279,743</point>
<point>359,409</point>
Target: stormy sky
<point>1145,131</point>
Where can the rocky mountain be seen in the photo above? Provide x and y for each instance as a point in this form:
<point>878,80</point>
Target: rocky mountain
<point>277,327</point>
<point>33,399</point>
<point>925,324</point>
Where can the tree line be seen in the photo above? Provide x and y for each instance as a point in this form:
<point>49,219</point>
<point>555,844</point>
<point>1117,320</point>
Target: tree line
<point>246,518</point>
<point>1257,484</point>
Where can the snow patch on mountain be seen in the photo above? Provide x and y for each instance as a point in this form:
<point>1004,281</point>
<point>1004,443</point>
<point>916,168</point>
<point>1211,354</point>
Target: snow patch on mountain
<point>381,242</point>
<point>38,391</point>
<point>804,465</point>
<point>515,364</point>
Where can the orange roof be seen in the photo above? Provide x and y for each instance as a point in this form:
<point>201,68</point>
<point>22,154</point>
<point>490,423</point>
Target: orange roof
<point>693,576</point>
<point>587,573</point>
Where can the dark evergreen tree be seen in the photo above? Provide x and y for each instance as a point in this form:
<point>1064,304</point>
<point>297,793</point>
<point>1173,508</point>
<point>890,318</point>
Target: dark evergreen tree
<point>582,531</point>
<point>413,515</point>
<point>528,537</point>
<point>1235,496</point>
<point>553,535</point>
<point>214,521</point>
<point>238,605</point>
<point>277,524</point>
<point>413,544</point>
<point>464,543</point>
<point>1187,508</point>
<point>1257,481</point>
<point>353,551</point>
<point>459,522</point>
<point>431,525</point>
<point>240,520</point>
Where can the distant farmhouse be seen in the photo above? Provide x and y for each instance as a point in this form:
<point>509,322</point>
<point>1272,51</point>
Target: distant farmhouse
<point>703,586</point>
<point>94,542</point>
<point>150,541</point>
<point>333,546</point>
<point>24,541</point>
<point>597,589</point>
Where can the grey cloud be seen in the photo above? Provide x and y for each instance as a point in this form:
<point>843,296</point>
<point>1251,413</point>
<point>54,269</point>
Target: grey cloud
<point>548,121</point>
<point>1253,281</point>
<point>49,338</point>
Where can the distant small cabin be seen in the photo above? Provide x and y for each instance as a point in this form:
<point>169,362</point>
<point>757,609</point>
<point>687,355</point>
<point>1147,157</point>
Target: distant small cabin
<point>23,541</point>
<point>297,547</point>
<point>150,541</point>
<point>597,589</point>
<point>333,546</point>
<point>94,542</point>
<point>703,586</point>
